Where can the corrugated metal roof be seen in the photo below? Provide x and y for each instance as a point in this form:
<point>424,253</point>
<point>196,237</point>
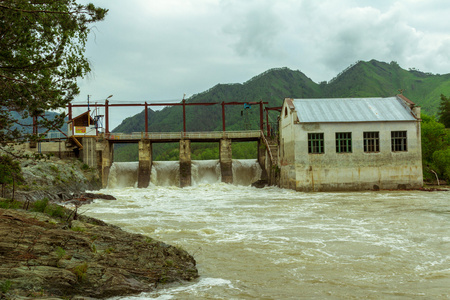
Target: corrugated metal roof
<point>352,110</point>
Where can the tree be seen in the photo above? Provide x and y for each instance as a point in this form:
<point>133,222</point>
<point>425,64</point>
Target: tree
<point>10,171</point>
<point>435,148</point>
<point>433,137</point>
<point>444,111</point>
<point>42,46</point>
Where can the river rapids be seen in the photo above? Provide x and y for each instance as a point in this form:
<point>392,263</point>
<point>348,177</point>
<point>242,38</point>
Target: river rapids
<point>274,243</point>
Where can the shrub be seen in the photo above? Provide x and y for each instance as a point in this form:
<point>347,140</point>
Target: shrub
<point>40,205</point>
<point>80,271</point>
<point>5,286</point>
<point>55,211</point>
<point>60,252</point>
<point>441,161</point>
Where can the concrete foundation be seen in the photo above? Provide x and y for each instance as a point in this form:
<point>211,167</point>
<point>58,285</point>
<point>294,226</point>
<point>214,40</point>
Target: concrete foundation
<point>89,153</point>
<point>226,163</point>
<point>185,163</point>
<point>145,163</point>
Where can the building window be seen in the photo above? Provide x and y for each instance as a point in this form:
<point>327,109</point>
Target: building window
<point>398,141</point>
<point>372,141</point>
<point>315,143</point>
<point>343,142</point>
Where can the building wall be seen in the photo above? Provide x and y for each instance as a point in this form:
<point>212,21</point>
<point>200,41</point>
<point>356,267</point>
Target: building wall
<point>57,148</point>
<point>357,170</point>
<point>287,150</point>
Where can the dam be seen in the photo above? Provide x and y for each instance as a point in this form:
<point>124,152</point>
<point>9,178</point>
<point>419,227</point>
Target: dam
<point>167,173</point>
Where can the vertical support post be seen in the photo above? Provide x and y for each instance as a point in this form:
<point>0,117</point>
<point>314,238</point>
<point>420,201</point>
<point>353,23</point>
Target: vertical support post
<point>185,163</point>
<point>89,114</point>
<point>106,117</point>
<point>261,116</point>
<point>184,116</point>
<point>226,164</point>
<point>35,127</point>
<point>70,112</point>
<point>146,118</point>
<point>107,157</point>
<point>145,163</point>
<point>223,116</point>
<point>267,123</point>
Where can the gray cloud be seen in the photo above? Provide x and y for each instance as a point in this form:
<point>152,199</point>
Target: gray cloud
<point>162,49</point>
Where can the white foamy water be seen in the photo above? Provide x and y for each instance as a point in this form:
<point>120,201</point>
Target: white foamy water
<point>274,243</point>
<point>167,173</point>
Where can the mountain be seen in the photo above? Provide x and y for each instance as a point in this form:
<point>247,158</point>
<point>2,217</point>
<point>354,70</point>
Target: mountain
<point>271,86</point>
<point>26,125</point>
<point>362,79</point>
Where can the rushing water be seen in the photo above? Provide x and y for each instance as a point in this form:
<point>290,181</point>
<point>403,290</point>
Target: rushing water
<point>274,243</point>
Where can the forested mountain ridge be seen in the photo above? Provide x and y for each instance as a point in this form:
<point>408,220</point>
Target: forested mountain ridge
<point>362,79</point>
<point>267,87</point>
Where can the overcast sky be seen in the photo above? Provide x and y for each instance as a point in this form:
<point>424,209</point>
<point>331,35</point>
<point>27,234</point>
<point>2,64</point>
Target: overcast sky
<point>153,50</point>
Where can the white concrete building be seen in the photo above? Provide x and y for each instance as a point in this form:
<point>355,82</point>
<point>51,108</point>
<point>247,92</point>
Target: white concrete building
<point>350,144</point>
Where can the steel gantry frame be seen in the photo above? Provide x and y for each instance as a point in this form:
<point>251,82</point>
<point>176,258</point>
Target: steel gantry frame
<point>183,104</point>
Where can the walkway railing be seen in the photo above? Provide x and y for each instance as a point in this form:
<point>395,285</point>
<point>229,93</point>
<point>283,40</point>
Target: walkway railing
<point>185,135</point>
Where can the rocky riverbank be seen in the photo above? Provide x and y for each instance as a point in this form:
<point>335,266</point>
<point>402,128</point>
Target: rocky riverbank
<point>55,179</point>
<point>44,256</point>
<point>50,252</point>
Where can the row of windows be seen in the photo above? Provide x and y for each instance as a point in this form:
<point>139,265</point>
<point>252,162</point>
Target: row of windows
<point>371,142</point>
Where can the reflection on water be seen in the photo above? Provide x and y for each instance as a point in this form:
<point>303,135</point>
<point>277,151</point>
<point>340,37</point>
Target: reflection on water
<point>273,243</point>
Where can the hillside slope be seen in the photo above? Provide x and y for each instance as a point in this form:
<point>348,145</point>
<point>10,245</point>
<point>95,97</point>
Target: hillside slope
<point>380,79</point>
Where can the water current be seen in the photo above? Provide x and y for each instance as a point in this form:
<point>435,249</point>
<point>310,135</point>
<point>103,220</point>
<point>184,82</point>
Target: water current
<point>274,243</point>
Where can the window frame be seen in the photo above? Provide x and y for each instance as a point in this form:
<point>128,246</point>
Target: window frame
<point>344,142</point>
<point>316,143</point>
<point>371,141</point>
<point>399,141</point>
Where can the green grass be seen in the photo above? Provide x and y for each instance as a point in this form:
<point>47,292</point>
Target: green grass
<point>8,204</point>
<point>5,286</point>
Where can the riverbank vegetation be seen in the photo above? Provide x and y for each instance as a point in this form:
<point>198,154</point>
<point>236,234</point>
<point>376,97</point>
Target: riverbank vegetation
<point>436,144</point>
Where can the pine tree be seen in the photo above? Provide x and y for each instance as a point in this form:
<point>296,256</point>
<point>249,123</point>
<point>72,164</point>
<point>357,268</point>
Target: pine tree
<point>42,47</point>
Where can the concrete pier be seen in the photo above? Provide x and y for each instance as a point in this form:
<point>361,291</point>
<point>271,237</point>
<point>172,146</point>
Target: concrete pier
<point>107,159</point>
<point>185,163</point>
<point>145,163</point>
<point>262,151</point>
<point>226,164</point>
